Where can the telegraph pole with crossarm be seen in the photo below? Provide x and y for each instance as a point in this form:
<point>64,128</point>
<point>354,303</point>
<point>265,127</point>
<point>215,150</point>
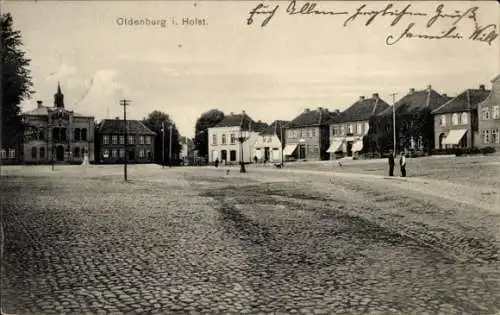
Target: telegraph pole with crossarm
<point>125,103</point>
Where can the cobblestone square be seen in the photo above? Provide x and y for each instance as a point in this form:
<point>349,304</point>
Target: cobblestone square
<point>199,240</point>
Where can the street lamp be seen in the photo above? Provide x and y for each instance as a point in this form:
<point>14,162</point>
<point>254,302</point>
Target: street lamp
<point>162,144</point>
<point>125,103</point>
<point>394,122</point>
<point>241,139</point>
<point>282,146</point>
<point>51,137</point>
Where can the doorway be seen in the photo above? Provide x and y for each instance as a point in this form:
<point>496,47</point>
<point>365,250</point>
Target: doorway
<point>349,148</point>
<point>266,154</point>
<point>60,153</point>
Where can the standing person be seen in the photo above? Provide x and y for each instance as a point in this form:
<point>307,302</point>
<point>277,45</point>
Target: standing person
<point>217,162</point>
<point>391,164</point>
<point>402,164</point>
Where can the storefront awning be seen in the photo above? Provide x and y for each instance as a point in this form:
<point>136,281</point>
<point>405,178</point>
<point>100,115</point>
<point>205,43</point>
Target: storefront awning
<point>334,146</point>
<point>289,149</point>
<point>357,146</point>
<point>454,136</point>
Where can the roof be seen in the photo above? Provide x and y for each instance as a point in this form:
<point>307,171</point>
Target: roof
<point>465,101</point>
<point>416,101</point>
<point>317,117</point>
<point>242,120</point>
<point>362,109</point>
<point>45,110</point>
<point>275,127</point>
<point>117,126</point>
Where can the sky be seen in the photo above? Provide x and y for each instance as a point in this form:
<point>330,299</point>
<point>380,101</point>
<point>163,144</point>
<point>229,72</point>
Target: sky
<point>273,72</point>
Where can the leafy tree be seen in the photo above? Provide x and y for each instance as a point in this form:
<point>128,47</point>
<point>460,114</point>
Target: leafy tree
<point>154,122</point>
<point>207,120</point>
<point>16,82</point>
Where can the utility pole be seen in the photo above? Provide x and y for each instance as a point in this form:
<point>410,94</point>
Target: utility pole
<point>162,144</point>
<point>170,146</point>
<point>125,103</point>
<point>281,143</point>
<point>394,121</point>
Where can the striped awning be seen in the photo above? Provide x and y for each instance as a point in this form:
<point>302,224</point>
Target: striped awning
<point>357,146</point>
<point>454,136</point>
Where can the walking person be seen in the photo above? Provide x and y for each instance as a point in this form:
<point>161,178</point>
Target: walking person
<point>402,164</point>
<point>391,164</point>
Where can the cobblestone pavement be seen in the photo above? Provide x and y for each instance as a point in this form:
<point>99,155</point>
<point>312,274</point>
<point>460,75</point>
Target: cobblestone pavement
<point>198,240</point>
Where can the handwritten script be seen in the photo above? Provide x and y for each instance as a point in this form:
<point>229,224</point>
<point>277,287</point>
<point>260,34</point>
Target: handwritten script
<point>439,23</point>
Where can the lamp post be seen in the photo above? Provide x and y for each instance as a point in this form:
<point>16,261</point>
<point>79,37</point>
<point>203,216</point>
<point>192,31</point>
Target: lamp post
<point>162,144</point>
<point>170,127</point>
<point>394,122</point>
<point>51,137</point>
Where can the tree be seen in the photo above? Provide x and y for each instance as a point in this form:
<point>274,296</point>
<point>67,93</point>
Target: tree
<point>154,122</point>
<point>16,82</point>
<point>207,120</point>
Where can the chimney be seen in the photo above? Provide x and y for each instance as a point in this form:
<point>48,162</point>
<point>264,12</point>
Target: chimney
<point>429,87</point>
<point>445,95</point>
<point>320,108</point>
<point>375,95</point>
<point>307,110</point>
<point>243,112</point>
<point>481,87</point>
<point>412,90</point>
<point>39,104</point>
<point>361,98</point>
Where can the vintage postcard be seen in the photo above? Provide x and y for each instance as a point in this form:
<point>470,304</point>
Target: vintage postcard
<point>250,157</point>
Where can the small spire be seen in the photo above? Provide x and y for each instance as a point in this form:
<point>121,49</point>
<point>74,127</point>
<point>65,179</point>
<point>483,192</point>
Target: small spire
<point>59,88</point>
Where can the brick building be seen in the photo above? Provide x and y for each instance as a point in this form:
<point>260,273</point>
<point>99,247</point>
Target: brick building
<point>111,142</point>
<point>489,117</point>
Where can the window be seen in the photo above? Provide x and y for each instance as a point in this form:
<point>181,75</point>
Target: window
<point>314,132</point>
<point>42,153</point>
<point>367,127</point>
<point>351,127</point>
<point>84,134</point>
<point>122,153</point>
<point>105,153</point>
<point>12,153</point>
<point>334,131</point>
<point>232,155</point>
<point>486,136</point>
<point>442,120</point>
<point>141,139</point>
<point>342,130</point>
<point>454,119</point>
<point>486,113</point>
<point>122,139</point>
<point>114,153</point>
<point>359,128</point>
<point>223,140</point>
<point>496,112</point>
<point>76,152</point>
<point>291,134</point>
<point>131,139</point>
<point>464,119</point>
<point>214,139</point>
<point>33,152</point>
<point>233,138</point>
<point>63,135</point>
<point>114,139</point>
<point>105,139</point>
<point>148,139</point>
<point>77,134</point>
<point>3,154</point>
<point>309,132</point>
<point>494,136</point>
<point>141,154</point>
<point>269,139</point>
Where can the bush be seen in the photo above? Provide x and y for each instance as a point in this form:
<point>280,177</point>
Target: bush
<point>457,151</point>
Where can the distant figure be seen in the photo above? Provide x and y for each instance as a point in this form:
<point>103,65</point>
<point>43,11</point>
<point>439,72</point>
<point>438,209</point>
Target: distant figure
<point>402,164</point>
<point>391,164</point>
<point>227,171</point>
<point>216,163</point>
<point>255,159</point>
<point>340,163</point>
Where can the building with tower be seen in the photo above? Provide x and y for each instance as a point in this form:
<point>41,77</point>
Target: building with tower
<point>57,134</point>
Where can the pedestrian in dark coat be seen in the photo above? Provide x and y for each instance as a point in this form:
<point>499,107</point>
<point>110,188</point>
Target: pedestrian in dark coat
<point>216,163</point>
<point>391,164</point>
<point>402,164</point>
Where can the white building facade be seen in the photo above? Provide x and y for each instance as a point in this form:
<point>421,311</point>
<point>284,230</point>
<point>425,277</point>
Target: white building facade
<point>223,144</point>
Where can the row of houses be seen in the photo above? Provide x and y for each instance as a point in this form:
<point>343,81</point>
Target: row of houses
<point>57,134</point>
<point>425,120</point>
